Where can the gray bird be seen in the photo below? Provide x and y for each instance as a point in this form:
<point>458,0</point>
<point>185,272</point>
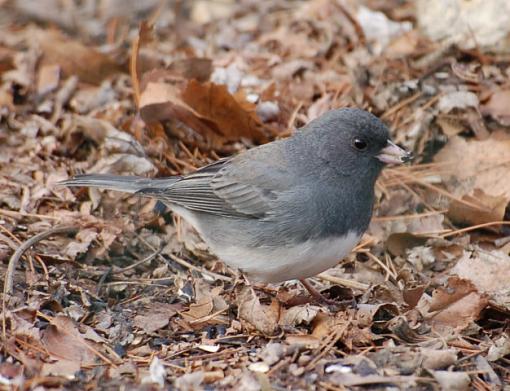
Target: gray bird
<point>289,209</point>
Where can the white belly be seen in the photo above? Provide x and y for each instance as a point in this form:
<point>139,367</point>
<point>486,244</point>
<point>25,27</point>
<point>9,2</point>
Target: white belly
<point>304,260</point>
<point>270,265</point>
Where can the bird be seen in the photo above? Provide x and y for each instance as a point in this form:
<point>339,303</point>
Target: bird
<point>289,209</point>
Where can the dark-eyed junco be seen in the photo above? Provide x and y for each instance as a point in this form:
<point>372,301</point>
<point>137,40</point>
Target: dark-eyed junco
<point>289,209</point>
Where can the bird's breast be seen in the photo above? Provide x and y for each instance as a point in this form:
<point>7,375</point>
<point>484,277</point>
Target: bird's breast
<point>280,263</point>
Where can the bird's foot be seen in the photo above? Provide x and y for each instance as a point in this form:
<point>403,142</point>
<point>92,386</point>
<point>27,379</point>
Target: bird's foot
<point>320,298</point>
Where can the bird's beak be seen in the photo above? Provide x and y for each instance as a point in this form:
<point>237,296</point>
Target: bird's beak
<point>393,154</point>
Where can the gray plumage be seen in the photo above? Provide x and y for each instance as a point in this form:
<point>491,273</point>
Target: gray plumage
<point>276,199</point>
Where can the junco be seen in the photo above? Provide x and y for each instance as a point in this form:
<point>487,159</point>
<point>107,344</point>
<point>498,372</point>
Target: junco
<point>289,209</point>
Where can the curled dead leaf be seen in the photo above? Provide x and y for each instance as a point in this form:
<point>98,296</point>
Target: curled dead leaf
<point>498,107</point>
<point>155,317</point>
<point>74,57</point>
<point>457,304</point>
<point>476,164</point>
<point>208,108</point>
<point>262,317</point>
<point>492,208</point>
<point>488,271</point>
<point>64,341</point>
<point>376,315</point>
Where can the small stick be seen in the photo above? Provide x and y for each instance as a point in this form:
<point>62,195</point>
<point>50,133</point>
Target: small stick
<point>9,275</point>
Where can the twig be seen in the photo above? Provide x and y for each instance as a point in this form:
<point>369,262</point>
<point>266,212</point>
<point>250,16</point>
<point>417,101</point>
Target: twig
<point>146,259</point>
<point>409,217</point>
<point>8,282</point>
<point>400,104</point>
<point>188,265</point>
<point>13,213</point>
<point>208,317</point>
<point>13,261</point>
<point>474,227</point>
<point>381,263</point>
<point>328,345</point>
<point>344,282</point>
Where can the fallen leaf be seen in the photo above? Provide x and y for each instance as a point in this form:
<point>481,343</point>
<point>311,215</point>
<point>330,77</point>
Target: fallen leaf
<point>207,302</point>
<point>308,341</point>
<point>196,68</point>
<point>457,100</point>
<point>74,57</point>
<point>206,11</point>
<point>412,295</point>
<point>473,164</point>
<point>155,317</point>
<point>399,243</point>
<point>81,245</point>
<point>488,271</point>
<point>215,104</point>
<point>499,349</point>
<point>208,108</point>
<point>457,304</point>
<point>63,341</point>
<point>297,315</point>
<point>452,381</point>
<point>492,208</point>
<point>498,107</point>
<point>263,318</point>
<point>48,78</point>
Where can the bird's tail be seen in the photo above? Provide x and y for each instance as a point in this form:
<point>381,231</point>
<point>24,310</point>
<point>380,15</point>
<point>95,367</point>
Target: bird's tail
<point>127,184</point>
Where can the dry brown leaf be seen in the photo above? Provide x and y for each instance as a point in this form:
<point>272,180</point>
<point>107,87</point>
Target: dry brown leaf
<point>48,78</point>
<point>322,325</point>
<point>477,164</point>
<point>263,317</point>
<point>498,107</point>
<point>6,59</point>
<point>370,314</point>
<point>74,57</point>
<point>155,317</point>
<point>207,108</point>
<point>207,302</point>
<point>457,304</point>
<point>412,295</point>
<point>398,243</point>
<point>196,68</point>
<point>135,65</point>
<point>488,271</point>
<point>451,126</point>
<point>63,341</point>
<point>226,114</point>
<point>297,315</point>
<point>492,208</point>
<point>82,243</point>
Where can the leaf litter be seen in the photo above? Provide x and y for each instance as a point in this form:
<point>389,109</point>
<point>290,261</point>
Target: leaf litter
<point>126,297</point>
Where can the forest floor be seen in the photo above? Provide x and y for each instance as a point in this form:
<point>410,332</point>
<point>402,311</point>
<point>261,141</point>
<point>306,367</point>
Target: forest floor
<point>101,292</point>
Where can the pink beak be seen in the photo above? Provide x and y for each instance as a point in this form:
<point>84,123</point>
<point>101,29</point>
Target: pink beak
<point>393,154</point>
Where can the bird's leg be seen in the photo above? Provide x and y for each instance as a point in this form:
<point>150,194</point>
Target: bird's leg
<point>322,299</point>
<point>313,292</point>
<point>316,294</point>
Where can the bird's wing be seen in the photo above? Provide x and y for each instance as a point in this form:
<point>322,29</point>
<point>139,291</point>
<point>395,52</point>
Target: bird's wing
<point>243,186</point>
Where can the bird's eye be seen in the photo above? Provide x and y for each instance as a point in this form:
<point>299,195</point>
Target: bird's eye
<point>359,144</point>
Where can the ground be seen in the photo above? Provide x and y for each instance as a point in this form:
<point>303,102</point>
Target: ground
<point>106,291</point>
